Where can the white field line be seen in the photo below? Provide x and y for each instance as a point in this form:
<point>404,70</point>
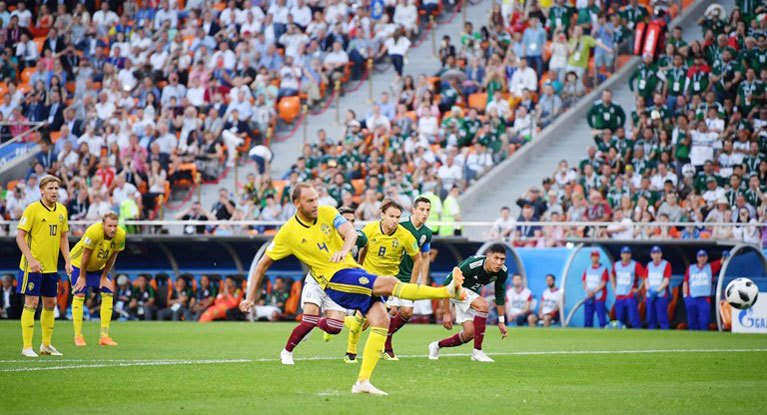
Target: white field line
<point>146,362</point>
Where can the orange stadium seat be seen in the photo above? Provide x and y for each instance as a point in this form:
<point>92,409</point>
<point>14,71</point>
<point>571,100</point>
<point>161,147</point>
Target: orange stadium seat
<point>40,42</point>
<point>26,74</point>
<point>478,101</point>
<point>359,186</point>
<point>279,186</point>
<point>55,135</point>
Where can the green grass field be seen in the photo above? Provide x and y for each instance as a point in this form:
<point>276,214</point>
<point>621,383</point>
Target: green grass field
<point>234,367</point>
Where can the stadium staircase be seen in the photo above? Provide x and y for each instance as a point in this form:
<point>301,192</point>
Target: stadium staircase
<point>567,138</point>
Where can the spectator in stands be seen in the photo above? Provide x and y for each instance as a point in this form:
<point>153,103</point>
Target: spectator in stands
<point>272,306</point>
<point>451,212</point>
<point>203,298</point>
<point>197,213</point>
<point>579,49</point>
<point>549,106</point>
<point>572,90</point>
<point>142,302</point>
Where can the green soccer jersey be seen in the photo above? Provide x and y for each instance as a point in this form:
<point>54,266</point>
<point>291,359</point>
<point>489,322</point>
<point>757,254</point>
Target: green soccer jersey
<point>675,79</point>
<point>634,15</point>
<point>603,116</point>
<point>476,277</point>
<point>560,16</point>
<point>726,72</point>
<point>646,77</point>
<point>747,93</point>
<point>757,59</point>
<point>422,236</point>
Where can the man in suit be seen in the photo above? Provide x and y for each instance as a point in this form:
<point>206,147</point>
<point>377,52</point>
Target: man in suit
<point>75,125</point>
<point>10,300</point>
<point>54,43</point>
<point>55,112</point>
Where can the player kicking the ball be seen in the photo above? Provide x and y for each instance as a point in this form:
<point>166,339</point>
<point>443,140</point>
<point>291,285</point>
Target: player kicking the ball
<point>471,312</point>
<point>314,300</point>
<point>322,239</point>
<point>93,258</point>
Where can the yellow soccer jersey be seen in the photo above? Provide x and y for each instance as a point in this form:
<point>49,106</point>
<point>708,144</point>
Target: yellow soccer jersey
<point>313,243</point>
<point>44,227</point>
<point>385,252</point>
<point>102,248</point>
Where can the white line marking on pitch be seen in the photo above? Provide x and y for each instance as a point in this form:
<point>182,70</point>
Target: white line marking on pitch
<point>138,362</point>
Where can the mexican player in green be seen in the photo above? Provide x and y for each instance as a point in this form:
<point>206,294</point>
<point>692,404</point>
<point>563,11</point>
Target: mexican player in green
<point>471,313</point>
<point>401,309</point>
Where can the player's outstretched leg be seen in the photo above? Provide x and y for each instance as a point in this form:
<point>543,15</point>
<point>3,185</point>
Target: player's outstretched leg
<point>331,324</point>
<point>379,323</point>
<point>107,301</point>
<point>356,324</point>
<point>77,319</point>
<point>392,286</point>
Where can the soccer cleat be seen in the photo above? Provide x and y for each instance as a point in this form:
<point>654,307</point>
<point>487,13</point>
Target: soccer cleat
<point>326,337</point>
<point>455,288</point>
<point>28,352</point>
<point>80,341</point>
<point>434,351</point>
<point>286,357</point>
<point>364,386</point>
<point>389,355</point>
<point>50,350</point>
<point>480,356</point>
<point>107,341</point>
<point>351,359</point>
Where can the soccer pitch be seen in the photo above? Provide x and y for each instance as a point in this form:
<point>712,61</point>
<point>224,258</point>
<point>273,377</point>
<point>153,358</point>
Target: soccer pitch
<point>234,367</point>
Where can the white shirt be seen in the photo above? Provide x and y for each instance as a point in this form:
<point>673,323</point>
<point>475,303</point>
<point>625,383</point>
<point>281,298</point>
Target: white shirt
<point>626,234</point>
<point>157,60</point>
<point>94,144</point>
<point>516,301</point>
<point>549,300</point>
<point>302,16</point>
<point>167,143</point>
<point>230,60</point>
<point>657,181</point>
<point>196,96</point>
<point>710,196</point>
<point>449,175</point>
<point>105,110</point>
<point>289,76</point>
<point>100,18</point>
<point>501,106</point>
<point>702,148</point>
<point>523,78</point>
<point>336,58</point>
<point>126,77</point>
<point>399,47</point>
<point>279,13</point>
<point>500,225</point>
<point>405,15</point>
<point>25,17</point>
<point>118,195</point>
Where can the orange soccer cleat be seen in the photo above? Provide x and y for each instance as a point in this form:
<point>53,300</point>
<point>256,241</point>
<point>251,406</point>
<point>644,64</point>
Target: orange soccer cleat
<point>107,341</point>
<point>80,341</point>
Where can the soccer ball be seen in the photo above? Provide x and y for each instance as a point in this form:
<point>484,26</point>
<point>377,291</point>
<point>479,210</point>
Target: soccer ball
<point>741,293</point>
<point>615,324</point>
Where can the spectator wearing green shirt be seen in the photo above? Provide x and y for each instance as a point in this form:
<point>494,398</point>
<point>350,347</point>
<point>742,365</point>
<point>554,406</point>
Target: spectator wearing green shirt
<point>560,16</point>
<point>675,80</point>
<point>750,93</point>
<point>605,114</point>
<point>587,16</point>
<point>645,78</point>
<point>579,49</point>
<point>633,13</point>
<point>725,76</point>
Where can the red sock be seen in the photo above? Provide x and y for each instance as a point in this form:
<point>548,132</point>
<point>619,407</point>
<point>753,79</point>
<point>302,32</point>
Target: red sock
<point>452,341</point>
<point>302,329</point>
<point>480,320</point>
<point>395,324</point>
<point>330,325</point>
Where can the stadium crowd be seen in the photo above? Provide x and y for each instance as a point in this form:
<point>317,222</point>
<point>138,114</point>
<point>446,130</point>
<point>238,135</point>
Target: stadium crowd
<point>691,150</point>
<point>139,97</point>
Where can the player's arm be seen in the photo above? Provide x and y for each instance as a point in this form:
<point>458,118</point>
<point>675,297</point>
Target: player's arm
<point>64,247</point>
<point>347,232</point>
<point>417,267</point>
<point>589,293</point>
<point>528,304</point>
<point>81,279</point>
<point>105,282</point>
<point>425,260</point>
<point>362,254</point>
<point>686,283</point>
<point>21,241</point>
<point>500,304</point>
<point>250,297</point>
<point>612,278</point>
